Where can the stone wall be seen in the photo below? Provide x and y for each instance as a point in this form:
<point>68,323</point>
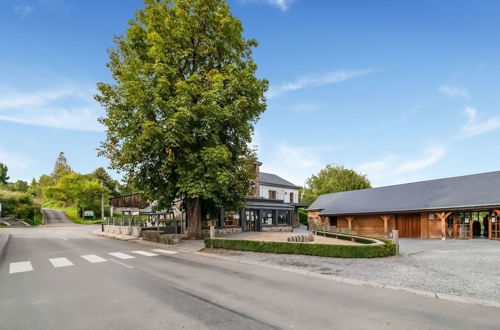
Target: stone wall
<point>277,229</point>
<point>223,231</point>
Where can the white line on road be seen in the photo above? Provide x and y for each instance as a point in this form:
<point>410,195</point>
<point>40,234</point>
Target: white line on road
<point>165,251</point>
<point>120,255</point>
<point>145,253</point>
<point>20,267</point>
<point>93,258</point>
<point>64,238</point>
<point>60,262</point>
<point>121,263</point>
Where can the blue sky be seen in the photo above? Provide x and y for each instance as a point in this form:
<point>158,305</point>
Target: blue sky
<point>399,90</point>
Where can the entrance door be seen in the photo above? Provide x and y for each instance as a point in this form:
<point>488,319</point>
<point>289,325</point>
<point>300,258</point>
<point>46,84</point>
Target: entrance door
<point>408,225</point>
<point>251,220</point>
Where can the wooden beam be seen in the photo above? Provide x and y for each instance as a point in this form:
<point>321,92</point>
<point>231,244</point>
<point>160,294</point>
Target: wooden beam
<point>349,222</point>
<point>386,218</point>
<point>443,216</point>
<point>497,212</point>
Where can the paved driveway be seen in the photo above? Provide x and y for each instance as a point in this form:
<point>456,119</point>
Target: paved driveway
<point>464,268</point>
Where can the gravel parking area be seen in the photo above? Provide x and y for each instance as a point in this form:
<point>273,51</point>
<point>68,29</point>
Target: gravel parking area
<point>464,268</point>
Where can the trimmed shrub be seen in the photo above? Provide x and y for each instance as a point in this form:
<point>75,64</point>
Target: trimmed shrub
<point>303,216</point>
<point>320,250</point>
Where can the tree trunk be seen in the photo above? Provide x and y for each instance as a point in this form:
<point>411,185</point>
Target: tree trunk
<point>193,217</point>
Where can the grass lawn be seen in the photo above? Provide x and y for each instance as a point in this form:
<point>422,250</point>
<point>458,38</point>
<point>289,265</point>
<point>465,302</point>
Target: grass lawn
<point>71,212</point>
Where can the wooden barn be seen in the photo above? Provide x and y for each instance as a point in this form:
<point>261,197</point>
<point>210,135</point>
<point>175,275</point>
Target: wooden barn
<point>464,207</point>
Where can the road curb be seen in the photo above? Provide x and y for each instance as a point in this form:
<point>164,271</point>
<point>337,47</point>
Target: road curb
<point>429,294</point>
<point>4,240</point>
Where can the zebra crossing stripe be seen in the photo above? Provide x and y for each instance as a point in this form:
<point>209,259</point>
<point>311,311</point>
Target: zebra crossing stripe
<point>20,267</point>
<point>165,251</point>
<point>60,262</point>
<point>121,255</point>
<point>93,258</point>
<point>145,253</point>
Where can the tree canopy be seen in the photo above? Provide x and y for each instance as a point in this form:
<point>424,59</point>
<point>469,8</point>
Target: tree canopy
<point>61,166</point>
<point>3,174</point>
<point>333,179</point>
<point>80,190</point>
<point>180,115</point>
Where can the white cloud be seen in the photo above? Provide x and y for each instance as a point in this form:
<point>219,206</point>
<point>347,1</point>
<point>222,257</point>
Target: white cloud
<point>293,163</point>
<point>316,81</point>
<point>304,107</point>
<point>283,5</point>
<point>454,91</point>
<point>17,164</point>
<point>475,126</point>
<point>23,10</point>
<point>393,169</point>
<point>69,107</point>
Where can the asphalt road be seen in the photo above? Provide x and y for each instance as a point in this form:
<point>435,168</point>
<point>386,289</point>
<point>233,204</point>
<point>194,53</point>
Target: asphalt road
<point>190,291</point>
<point>55,217</point>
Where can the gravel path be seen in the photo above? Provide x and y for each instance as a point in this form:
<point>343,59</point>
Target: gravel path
<point>464,268</point>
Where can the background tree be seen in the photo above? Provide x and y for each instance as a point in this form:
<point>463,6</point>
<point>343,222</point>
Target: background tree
<point>333,179</point>
<point>3,174</point>
<point>79,190</point>
<point>104,178</point>
<point>181,113</point>
<point>61,166</point>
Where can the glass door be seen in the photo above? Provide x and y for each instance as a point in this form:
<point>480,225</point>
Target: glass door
<point>251,220</point>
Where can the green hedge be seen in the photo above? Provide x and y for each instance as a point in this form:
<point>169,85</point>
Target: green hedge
<point>319,250</point>
<point>303,216</point>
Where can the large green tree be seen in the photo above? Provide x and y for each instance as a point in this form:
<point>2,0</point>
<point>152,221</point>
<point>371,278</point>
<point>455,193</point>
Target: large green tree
<point>332,179</point>
<point>3,174</point>
<point>83,191</point>
<point>181,112</point>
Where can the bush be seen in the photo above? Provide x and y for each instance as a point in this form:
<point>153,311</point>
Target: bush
<point>18,204</point>
<point>303,216</point>
<point>319,250</point>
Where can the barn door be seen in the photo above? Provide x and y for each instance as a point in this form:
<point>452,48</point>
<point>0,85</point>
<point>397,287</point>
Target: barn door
<point>408,225</point>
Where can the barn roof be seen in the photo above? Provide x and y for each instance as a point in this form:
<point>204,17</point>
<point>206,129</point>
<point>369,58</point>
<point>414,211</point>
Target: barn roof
<point>463,192</point>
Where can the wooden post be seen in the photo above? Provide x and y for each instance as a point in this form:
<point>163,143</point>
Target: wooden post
<point>443,216</point>
<point>349,222</point>
<point>395,238</point>
<point>386,219</point>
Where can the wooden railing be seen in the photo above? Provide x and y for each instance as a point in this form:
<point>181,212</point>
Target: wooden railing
<point>330,229</point>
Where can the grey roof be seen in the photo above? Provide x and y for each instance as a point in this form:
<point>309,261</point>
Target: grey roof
<point>274,180</point>
<point>463,192</point>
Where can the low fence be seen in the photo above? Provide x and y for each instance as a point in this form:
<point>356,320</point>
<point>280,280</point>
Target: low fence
<point>330,229</point>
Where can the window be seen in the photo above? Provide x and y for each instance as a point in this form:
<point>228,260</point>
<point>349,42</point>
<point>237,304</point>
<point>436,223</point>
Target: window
<point>267,217</point>
<point>272,194</point>
<point>291,197</point>
<point>231,219</point>
<point>283,217</point>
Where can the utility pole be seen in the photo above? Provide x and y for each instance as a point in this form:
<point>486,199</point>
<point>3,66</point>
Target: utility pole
<point>102,203</point>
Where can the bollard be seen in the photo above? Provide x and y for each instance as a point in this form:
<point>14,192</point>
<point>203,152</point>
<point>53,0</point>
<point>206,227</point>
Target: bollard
<point>395,238</point>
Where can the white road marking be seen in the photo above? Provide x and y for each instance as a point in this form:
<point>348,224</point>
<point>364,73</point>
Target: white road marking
<point>60,262</point>
<point>20,267</point>
<point>64,238</point>
<point>145,253</point>
<point>120,255</point>
<point>165,251</point>
<point>93,258</point>
<point>121,263</point>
